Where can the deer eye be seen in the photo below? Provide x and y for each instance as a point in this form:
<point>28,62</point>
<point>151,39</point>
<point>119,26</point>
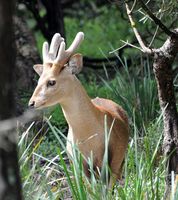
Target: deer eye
<point>51,83</point>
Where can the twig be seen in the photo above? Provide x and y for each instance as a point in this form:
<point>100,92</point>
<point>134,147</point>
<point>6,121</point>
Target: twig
<point>133,6</point>
<point>140,41</point>
<point>10,124</point>
<point>129,44</point>
<point>156,20</point>
<point>118,48</point>
<point>154,36</point>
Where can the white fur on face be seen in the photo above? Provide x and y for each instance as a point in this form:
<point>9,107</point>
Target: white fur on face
<point>42,93</point>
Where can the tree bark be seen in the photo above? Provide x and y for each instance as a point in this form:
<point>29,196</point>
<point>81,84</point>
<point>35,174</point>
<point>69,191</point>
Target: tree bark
<point>10,188</point>
<point>26,56</point>
<point>10,184</point>
<point>52,22</point>
<point>162,66</point>
<point>7,59</point>
<point>163,59</point>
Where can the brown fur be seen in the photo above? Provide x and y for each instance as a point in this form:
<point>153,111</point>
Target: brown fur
<point>120,132</point>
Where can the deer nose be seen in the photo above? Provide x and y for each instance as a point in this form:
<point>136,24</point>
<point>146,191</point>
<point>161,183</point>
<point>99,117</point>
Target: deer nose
<point>31,104</point>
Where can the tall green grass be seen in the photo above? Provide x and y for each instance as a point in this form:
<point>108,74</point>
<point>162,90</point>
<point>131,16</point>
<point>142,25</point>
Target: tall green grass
<point>56,178</point>
<point>47,173</point>
<point>136,92</point>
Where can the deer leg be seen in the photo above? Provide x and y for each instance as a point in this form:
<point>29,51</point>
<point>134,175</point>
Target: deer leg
<point>116,171</point>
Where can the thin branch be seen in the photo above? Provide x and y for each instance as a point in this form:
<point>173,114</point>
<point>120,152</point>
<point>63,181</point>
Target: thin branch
<point>133,6</point>
<point>156,20</point>
<point>129,44</point>
<point>118,48</point>
<point>10,124</point>
<point>154,36</point>
<point>137,35</point>
<point>40,21</point>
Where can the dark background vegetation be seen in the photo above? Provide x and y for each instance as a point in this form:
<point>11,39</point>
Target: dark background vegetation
<point>114,67</point>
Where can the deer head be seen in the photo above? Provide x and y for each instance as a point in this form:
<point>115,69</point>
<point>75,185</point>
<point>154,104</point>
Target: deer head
<point>58,68</point>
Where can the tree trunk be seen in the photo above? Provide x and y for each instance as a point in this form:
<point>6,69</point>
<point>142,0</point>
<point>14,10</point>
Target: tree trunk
<point>55,18</point>
<point>163,60</point>
<point>10,188</point>
<point>26,56</point>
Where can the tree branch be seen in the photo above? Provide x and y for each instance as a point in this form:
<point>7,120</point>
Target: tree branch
<point>156,20</point>
<point>137,35</point>
<point>40,21</point>
<point>10,124</point>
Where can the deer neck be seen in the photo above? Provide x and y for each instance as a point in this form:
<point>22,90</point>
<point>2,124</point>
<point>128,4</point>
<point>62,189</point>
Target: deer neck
<point>79,111</point>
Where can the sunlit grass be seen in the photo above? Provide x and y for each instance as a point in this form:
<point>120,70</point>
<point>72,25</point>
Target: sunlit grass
<point>54,178</point>
<point>47,173</point>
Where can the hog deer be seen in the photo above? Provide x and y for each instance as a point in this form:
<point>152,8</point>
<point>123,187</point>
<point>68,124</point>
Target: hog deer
<point>85,117</point>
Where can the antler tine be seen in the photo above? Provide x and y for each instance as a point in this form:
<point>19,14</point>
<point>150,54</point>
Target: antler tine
<point>62,54</point>
<point>75,44</point>
<point>49,54</point>
<point>56,40</point>
<point>45,51</point>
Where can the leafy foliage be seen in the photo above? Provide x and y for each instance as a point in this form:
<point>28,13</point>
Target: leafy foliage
<point>106,37</point>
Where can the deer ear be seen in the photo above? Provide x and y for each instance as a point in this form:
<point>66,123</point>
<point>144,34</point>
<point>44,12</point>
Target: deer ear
<point>38,69</point>
<point>76,63</point>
